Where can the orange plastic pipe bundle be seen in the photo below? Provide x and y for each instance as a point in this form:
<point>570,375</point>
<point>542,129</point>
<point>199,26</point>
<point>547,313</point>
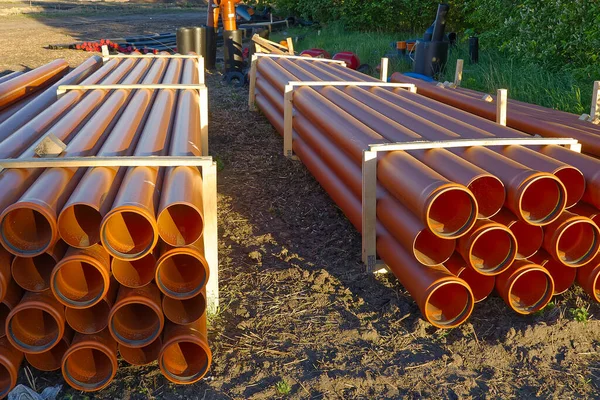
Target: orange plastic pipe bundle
<point>525,191</point>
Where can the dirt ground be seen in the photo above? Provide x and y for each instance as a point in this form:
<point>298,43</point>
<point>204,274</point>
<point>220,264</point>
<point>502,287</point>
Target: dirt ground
<point>298,312</point>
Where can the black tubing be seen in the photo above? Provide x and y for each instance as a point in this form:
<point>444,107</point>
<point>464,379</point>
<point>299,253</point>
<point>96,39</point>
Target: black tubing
<point>211,48</point>
<point>184,41</point>
<point>232,50</point>
<point>474,49</point>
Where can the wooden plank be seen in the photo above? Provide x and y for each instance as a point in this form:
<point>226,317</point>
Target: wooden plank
<point>290,46</point>
<point>595,110</point>
<point>350,83</point>
<point>252,91</point>
<point>502,99</point>
<point>203,104</point>
<point>447,144</point>
<point>369,210</point>
<point>459,72</point>
<point>326,60</point>
<point>200,64</point>
<point>150,55</point>
<point>269,45</point>
<point>288,121</point>
<point>210,234</point>
<point>155,86</point>
<point>487,98</point>
<point>385,63</point>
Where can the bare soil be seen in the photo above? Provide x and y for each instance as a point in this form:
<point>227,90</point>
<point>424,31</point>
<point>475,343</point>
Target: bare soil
<point>298,312</point>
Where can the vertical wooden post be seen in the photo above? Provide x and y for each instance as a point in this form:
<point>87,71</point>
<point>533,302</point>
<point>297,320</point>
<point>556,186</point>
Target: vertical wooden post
<point>201,78</point>
<point>288,120</point>
<point>501,102</point>
<point>595,111</point>
<point>105,53</point>
<point>459,72</point>
<point>252,92</point>
<point>203,104</point>
<point>384,69</point>
<point>290,44</point>
<point>211,240</point>
<point>369,210</point>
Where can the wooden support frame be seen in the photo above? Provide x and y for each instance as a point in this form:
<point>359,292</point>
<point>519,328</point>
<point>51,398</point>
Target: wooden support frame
<point>385,65</point>
<point>595,109</point>
<point>501,104</point>
<point>208,169</point>
<point>288,103</point>
<point>458,75</point>
<point>254,66</point>
<point>369,180</point>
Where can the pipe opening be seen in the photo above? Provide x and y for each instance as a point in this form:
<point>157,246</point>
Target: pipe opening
<point>79,225</point>
<point>49,360</point>
<point>481,285</point>
<point>542,200</point>
<point>88,320</point>
<point>562,275</point>
<point>134,274</point>
<point>4,311</point>
<point>34,273</point>
<point>431,250</point>
<point>449,305</point>
<point>184,312</point>
<point>181,275</point>
<point>578,243</point>
<point>141,355</point>
<point>452,213</point>
<point>78,283</point>
<point>34,329</point>
<point>531,291</point>
<point>493,251</point>
<point>5,380</point>
<point>529,238</point>
<point>26,231</point>
<point>135,324</point>
<point>184,361</point>
<point>128,234</point>
<point>574,182</point>
<point>180,225</point>
<point>87,368</point>
<point>490,195</point>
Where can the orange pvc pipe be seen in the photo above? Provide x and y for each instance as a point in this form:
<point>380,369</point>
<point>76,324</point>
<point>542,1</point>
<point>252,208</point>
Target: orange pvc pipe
<point>481,285</point>
<point>80,218</point>
<point>529,237</point>
<point>93,319</point>
<point>526,287</point>
<point>572,239</point>
<point>5,274</point>
<point>33,273</point>
<point>10,362</point>
<point>585,210</point>
<point>12,297</point>
<point>141,355</point>
<point>82,278</point>
<point>128,231</point>
<point>37,323</point>
<point>588,277</point>
<point>185,356</point>
<point>181,272</point>
<point>47,99</point>
<point>183,312</point>
<point>563,276</point>
<point>90,364</point>
<point>34,80</point>
<point>136,319</point>
<point>135,273</point>
<point>35,213</point>
<point>51,360</point>
<point>489,248</point>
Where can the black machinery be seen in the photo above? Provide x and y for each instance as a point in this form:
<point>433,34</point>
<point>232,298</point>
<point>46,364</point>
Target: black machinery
<point>431,52</point>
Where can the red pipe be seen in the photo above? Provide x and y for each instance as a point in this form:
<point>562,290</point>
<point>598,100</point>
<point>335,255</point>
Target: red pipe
<point>33,273</point>
<point>529,237</point>
<point>588,277</point>
<point>572,239</point>
<point>51,360</point>
<point>82,278</point>
<point>585,210</point>
<point>37,323</point>
<point>136,319</point>
<point>481,285</point>
<point>90,364</point>
<point>563,276</point>
<point>185,356</point>
<point>141,355</point>
<point>183,312</point>
<point>135,273</point>
<point>10,362</point>
<point>181,272</point>
<point>489,248</point>
<point>526,287</point>
<point>93,319</point>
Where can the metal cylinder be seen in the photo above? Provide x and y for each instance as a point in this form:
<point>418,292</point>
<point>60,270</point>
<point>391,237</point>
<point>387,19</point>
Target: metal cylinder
<point>232,50</point>
<point>185,40</point>
<point>199,40</point>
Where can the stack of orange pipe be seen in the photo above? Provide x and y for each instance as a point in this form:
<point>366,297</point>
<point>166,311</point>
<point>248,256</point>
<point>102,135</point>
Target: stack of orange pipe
<point>521,241</point>
<point>100,261</point>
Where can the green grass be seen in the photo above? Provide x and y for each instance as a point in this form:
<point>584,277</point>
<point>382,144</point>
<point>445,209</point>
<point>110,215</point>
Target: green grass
<point>580,314</point>
<point>283,388</point>
<point>566,89</point>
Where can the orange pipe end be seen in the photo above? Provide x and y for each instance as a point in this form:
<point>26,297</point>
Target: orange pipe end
<point>540,199</point>
<point>92,319</point>
<point>183,312</point>
<point>180,224</point>
<point>90,364</point>
<point>572,239</point>
<point>141,355</point>
<point>481,285</point>
<point>37,323</point>
<point>181,273</point>
<point>185,356</point>
<point>563,276</point>
<point>12,297</point>
<point>136,319</point>
<point>79,225</point>
<point>82,278</point>
<point>128,233</point>
<point>574,183</point>
<point>526,287</point>
<point>588,277</point>
<point>10,362</point>
<point>529,237</point>
<point>33,273</point>
<point>27,229</point>
<point>489,248</point>
<point>451,222</point>
<point>136,273</point>
<point>401,45</point>
<point>51,360</point>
